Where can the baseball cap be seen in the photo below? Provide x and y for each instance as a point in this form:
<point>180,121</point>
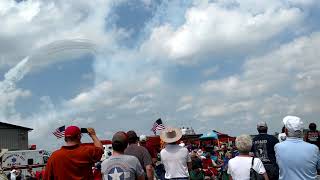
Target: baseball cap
<point>293,123</point>
<point>262,124</point>
<point>72,131</point>
<point>143,138</point>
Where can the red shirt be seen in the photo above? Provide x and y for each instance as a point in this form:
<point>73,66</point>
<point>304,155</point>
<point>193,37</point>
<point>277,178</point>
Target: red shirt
<point>207,163</point>
<point>72,163</point>
<point>97,174</point>
<point>153,153</point>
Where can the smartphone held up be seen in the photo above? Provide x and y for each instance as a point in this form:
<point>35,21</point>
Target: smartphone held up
<point>84,130</point>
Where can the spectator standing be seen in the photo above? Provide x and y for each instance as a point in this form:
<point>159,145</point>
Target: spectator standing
<point>31,174</point>
<point>282,136</point>
<point>313,135</point>
<point>263,148</point>
<point>226,159</point>
<point>97,172</point>
<point>176,159</point>
<point>119,165</point>
<point>210,167</point>
<point>239,166</point>
<point>152,151</point>
<point>12,174</point>
<point>74,160</point>
<point>141,153</point>
<point>296,159</point>
<point>15,174</point>
<point>196,172</point>
<point>40,174</point>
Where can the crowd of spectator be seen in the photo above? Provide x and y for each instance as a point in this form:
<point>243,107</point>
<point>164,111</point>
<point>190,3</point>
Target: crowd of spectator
<point>290,156</point>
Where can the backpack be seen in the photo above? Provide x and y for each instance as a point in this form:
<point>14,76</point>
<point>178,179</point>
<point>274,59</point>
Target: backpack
<point>254,175</point>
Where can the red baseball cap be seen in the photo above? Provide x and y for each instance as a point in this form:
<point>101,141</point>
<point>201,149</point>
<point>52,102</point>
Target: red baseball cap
<point>72,131</point>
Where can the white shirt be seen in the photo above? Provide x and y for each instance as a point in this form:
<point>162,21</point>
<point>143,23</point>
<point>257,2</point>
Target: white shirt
<point>239,167</point>
<point>13,175</point>
<point>175,159</point>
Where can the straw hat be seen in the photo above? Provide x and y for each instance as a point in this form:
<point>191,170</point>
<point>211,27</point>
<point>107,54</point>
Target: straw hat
<point>170,135</point>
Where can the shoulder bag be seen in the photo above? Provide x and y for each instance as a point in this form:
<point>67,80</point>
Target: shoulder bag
<point>254,175</point>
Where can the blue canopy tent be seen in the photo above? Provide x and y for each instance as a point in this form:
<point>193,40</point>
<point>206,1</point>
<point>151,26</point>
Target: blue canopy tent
<point>209,136</point>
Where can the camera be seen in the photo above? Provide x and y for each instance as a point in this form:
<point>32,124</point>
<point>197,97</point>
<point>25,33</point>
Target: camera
<point>84,130</point>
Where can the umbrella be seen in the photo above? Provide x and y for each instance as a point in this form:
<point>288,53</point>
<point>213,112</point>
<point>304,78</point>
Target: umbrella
<point>208,136</point>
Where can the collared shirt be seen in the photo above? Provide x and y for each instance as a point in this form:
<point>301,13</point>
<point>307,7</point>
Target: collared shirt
<point>297,159</point>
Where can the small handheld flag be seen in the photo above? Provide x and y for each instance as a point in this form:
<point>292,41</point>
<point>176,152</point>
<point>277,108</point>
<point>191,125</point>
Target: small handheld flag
<point>157,126</point>
<point>59,132</point>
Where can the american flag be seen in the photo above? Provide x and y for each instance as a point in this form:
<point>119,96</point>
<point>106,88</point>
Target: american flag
<point>157,126</point>
<point>59,132</point>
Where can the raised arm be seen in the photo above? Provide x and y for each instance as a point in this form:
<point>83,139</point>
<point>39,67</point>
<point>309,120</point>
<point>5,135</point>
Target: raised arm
<point>96,141</point>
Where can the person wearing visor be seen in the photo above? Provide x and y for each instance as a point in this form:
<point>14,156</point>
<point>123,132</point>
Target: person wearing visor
<point>74,160</point>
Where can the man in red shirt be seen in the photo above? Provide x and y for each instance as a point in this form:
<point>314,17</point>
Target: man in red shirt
<point>74,161</point>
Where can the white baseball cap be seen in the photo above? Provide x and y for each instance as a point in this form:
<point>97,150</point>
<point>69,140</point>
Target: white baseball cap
<point>143,138</point>
<point>293,123</point>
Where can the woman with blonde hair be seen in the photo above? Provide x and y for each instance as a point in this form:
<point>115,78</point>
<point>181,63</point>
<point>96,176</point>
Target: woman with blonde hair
<point>239,166</point>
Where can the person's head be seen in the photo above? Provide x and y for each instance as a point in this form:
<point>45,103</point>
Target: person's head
<point>283,130</point>
<point>29,169</point>
<point>244,143</point>
<point>18,172</point>
<point>13,169</point>
<point>262,127</point>
<point>171,135</point>
<point>72,135</point>
<point>119,141</point>
<point>143,139</point>
<point>98,166</point>
<point>132,137</point>
<point>293,126</point>
<point>229,155</point>
<point>312,126</point>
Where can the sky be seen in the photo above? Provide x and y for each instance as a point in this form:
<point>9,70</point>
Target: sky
<point>121,64</point>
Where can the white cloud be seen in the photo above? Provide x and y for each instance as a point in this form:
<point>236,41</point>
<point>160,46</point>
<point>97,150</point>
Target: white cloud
<point>29,25</point>
<point>234,87</point>
<point>186,99</point>
<point>184,107</point>
<point>225,109</point>
<point>210,71</point>
<point>214,29</point>
<point>128,83</point>
<point>271,86</point>
<point>142,102</point>
<point>94,98</point>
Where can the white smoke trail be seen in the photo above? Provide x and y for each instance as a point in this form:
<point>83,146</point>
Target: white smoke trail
<point>8,90</point>
<point>62,50</point>
<point>14,75</point>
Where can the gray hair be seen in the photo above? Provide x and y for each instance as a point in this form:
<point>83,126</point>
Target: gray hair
<point>244,143</point>
<point>296,134</point>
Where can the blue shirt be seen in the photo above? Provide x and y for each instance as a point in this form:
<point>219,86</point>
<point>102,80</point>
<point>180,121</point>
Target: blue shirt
<point>297,159</point>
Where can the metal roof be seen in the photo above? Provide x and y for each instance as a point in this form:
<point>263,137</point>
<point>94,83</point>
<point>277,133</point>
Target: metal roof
<point>16,126</point>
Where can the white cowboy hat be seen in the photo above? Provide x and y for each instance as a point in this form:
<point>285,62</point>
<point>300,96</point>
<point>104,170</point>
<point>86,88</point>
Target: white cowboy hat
<point>170,135</point>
